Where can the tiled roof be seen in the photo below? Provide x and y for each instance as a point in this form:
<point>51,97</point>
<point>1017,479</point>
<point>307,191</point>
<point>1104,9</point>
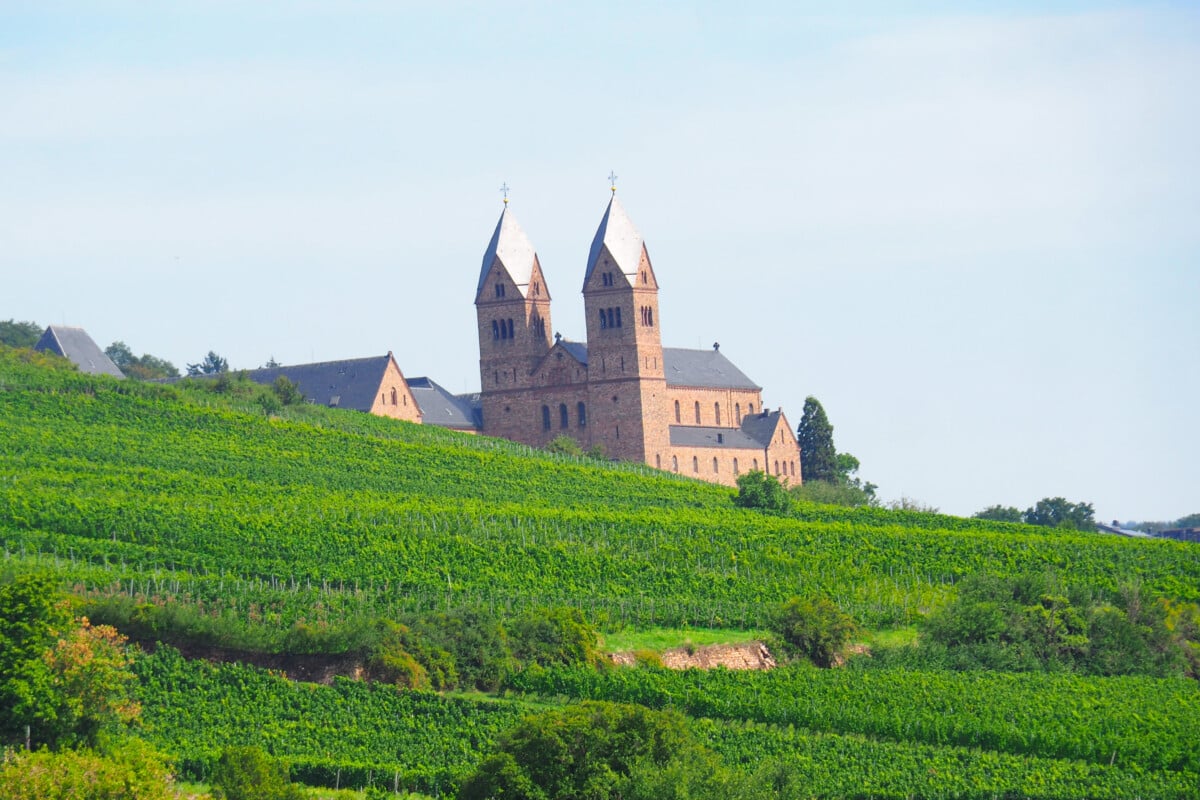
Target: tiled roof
<point>352,383</point>
<point>75,345</point>
<point>440,407</point>
<point>703,369</point>
<point>617,233</point>
<point>512,247</point>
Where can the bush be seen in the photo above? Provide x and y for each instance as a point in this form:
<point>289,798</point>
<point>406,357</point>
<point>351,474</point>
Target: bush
<point>248,773</point>
<point>555,636</point>
<point>564,445</point>
<point>131,770</point>
<point>759,490</point>
<point>814,628</point>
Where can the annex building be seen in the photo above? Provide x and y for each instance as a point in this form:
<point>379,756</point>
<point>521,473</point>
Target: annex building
<point>687,411</point>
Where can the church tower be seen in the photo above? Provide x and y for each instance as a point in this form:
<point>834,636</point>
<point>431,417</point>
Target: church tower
<point>512,308</point>
<point>626,381</point>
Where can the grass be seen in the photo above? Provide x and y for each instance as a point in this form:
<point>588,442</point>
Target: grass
<point>889,638</point>
<point>660,639</point>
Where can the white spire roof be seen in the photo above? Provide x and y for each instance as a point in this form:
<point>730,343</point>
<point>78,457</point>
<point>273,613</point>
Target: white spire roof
<point>618,233</point>
<point>509,244</point>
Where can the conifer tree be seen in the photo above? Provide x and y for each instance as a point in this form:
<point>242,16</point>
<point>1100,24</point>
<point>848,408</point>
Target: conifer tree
<point>818,459</point>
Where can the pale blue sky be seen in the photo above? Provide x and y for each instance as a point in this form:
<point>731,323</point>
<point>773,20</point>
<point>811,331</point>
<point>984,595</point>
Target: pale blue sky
<point>971,230</point>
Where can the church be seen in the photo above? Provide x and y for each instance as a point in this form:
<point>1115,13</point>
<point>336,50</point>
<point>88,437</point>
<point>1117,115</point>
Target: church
<point>690,412</point>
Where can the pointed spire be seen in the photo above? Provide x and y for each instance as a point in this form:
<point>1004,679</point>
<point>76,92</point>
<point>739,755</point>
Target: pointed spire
<point>515,252</point>
<point>620,236</point>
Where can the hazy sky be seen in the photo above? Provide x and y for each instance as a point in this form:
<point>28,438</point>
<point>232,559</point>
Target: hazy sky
<point>972,230</point>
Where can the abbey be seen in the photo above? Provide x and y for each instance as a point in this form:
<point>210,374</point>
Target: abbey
<point>687,411</point>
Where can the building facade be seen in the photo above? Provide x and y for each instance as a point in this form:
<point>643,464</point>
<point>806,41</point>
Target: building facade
<point>686,411</point>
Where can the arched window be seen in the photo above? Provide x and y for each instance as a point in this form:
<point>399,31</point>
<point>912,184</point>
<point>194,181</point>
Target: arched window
<point>714,465</point>
<point>495,329</point>
<point>776,467</point>
<point>697,412</point>
<point>395,398</point>
<point>675,463</point>
<point>562,415</point>
<point>735,467</point>
<point>603,320</point>
<point>658,461</point>
<point>499,290</point>
<point>581,409</point>
<point>737,411</point>
<point>545,418</point>
<point>676,411</point>
<point>755,464</point>
<point>750,408</point>
<point>618,317</point>
<point>650,316</point>
<point>695,464</point>
<point>510,329</point>
<point>717,412</point>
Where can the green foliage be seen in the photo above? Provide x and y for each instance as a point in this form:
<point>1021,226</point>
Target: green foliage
<point>212,364</point>
<point>761,491</point>
<point>815,628</point>
<point>999,513</point>
<point>834,494</point>
<point>287,392</point>
<point>1057,512</point>
<point>248,773</point>
<point>589,751</point>
<point>554,636</point>
<point>129,770</point>
<point>476,640</point>
<point>19,334</point>
<point>143,368</point>
<point>32,616</point>
<point>404,659</point>
<point>91,682</point>
<point>1035,622</point>
<point>564,445</point>
<point>818,459</point>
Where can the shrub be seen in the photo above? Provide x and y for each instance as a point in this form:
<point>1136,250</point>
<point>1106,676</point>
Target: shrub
<point>759,490</point>
<point>550,636</point>
<point>131,770</point>
<point>248,773</point>
<point>814,628</point>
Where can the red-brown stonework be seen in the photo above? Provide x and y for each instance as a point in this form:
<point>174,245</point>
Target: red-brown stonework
<point>613,394</point>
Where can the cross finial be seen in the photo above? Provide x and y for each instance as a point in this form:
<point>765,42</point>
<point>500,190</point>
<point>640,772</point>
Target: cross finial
<point>612,179</point>
<point>504,189</point>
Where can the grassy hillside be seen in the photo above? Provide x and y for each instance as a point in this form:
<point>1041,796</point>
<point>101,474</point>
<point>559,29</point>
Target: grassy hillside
<point>165,492</point>
<point>227,519</point>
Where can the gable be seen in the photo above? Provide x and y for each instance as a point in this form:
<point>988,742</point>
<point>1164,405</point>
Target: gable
<point>76,346</point>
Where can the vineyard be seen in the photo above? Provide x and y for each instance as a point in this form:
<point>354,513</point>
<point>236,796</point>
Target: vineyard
<point>199,503</point>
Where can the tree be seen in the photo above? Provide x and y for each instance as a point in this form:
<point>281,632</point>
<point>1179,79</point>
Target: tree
<point>1057,512</point>
<point>813,627</point>
<point>594,751</point>
<point>143,368</point>
<point>32,615</point>
<point>564,445</point>
<point>212,364</point>
<point>549,636</point>
<point>757,489</point>
<point>92,682</point>
<point>19,334</point>
<point>1000,513</point>
<point>818,459</point>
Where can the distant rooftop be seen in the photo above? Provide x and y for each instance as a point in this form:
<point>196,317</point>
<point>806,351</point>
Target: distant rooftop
<point>75,345</point>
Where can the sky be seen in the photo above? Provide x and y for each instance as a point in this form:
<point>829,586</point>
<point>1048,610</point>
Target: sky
<point>971,230</point>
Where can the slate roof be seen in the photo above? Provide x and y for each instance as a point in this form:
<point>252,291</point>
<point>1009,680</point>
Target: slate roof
<point>703,436</point>
<point>703,369</point>
<point>762,426</point>
<point>509,244</point>
<point>578,350</point>
<point>352,383</point>
<point>755,433</point>
<point>618,233</point>
<point>75,345</point>
<point>440,407</point>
